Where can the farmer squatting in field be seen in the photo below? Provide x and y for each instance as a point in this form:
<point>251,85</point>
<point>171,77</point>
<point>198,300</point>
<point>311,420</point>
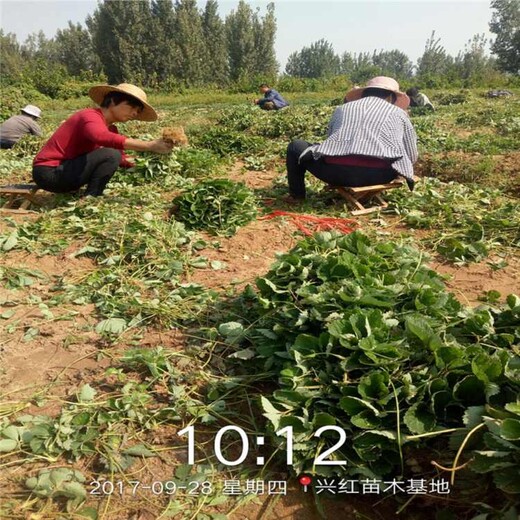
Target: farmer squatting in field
<point>370,141</point>
<point>87,148</point>
<point>272,99</point>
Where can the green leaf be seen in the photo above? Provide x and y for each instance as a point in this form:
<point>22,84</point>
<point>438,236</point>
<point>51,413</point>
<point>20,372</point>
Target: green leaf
<point>417,326</point>
<point>513,301</point>
<point>419,419</point>
<point>245,354</point>
<point>139,450</point>
<point>355,405</point>
<point>12,432</point>
<point>512,370</point>
<point>487,461</point>
<point>111,326</point>
<point>470,391</point>
<point>86,393</point>
<point>88,512</point>
<point>510,429</point>
<point>231,329</point>
<point>473,416</point>
<point>75,491</point>
<point>507,479</point>
<point>323,419</point>
<point>7,445</point>
<point>271,413</point>
<point>374,385</point>
<point>486,368</point>
<point>10,242</point>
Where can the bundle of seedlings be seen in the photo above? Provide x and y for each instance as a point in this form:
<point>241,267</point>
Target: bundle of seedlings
<point>218,206</point>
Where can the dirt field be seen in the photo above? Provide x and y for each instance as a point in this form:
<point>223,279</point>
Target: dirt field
<point>66,354</point>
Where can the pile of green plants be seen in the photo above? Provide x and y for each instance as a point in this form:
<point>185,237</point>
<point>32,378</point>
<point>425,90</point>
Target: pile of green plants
<point>197,163</point>
<point>219,206</point>
<point>468,222</point>
<point>359,334</point>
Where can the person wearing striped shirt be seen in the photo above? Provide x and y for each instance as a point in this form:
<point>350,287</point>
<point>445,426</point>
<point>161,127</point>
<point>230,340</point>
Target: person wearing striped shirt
<point>370,141</point>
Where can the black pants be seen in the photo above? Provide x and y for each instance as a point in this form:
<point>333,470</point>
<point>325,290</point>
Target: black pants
<point>94,169</point>
<point>6,144</point>
<point>334,174</point>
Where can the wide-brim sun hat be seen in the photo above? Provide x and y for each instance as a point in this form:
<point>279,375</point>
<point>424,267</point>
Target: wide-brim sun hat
<point>385,83</point>
<point>98,93</point>
<point>32,110</point>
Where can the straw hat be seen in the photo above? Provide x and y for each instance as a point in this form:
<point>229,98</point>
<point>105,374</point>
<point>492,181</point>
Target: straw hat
<point>32,110</point>
<point>385,83</point>
<point>99,92</point>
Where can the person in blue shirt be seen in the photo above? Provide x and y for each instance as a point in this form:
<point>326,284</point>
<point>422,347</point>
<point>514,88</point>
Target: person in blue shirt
<point>272,99</point>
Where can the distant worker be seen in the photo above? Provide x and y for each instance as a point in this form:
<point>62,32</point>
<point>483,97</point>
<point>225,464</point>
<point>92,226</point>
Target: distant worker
<point>370,141</point>
<point>87,148</point>
<point>498,93</point>
<point>12,130</point>
<point>418,99</point>
<point>272,99</point>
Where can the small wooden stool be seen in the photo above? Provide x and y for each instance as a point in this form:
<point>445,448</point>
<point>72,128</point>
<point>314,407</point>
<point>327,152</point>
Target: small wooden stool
<point>356,197</point>
<point>15,192</point>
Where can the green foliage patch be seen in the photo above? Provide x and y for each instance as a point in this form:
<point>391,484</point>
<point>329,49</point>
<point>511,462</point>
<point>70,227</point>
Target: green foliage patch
<point>219,206</point>
<point>360,334</point>
<point>467,222</point>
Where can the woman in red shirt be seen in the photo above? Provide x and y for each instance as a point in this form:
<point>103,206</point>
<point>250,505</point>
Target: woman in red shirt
<point>87,149</point>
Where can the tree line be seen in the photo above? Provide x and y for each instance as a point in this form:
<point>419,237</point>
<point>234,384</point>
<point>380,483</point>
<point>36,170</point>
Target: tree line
<point>150,42</point>
<point>174,44</point>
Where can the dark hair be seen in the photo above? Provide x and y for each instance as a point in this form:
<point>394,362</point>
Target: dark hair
<point>379,93</point>
<point>119,97</point>
<point>264,85</point>
<point>413,91</point>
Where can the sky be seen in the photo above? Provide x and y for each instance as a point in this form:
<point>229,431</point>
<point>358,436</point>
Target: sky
<point>353,26</point>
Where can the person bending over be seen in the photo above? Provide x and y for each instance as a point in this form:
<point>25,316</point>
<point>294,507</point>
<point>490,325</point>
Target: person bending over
<point>87,148</point>
<point>418,99</point>
<point>12,130</point>
<point>370,141</point>
<point>272,99</point>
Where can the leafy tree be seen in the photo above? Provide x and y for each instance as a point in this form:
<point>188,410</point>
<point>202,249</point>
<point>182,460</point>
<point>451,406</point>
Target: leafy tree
<point>474,65</point>
<point>393,63</point>
<point>316,61</point>
<point>435,63</point>
<point>121,38</point>
<point>359,68</point>
<point>192,57</point>
<point>265,34</point>
<point>241,41</point>
<point>74,50</point>
<point>505,23</point>
<point>38,46</point>
<point>11,59</point>
<point>163,46</point>
<point>216,69</point>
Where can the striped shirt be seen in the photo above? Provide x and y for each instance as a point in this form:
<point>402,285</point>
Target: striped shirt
<point>371,127</point>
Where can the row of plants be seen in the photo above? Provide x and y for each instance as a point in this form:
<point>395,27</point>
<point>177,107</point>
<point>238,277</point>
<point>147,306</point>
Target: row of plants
<point>466,222</point>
